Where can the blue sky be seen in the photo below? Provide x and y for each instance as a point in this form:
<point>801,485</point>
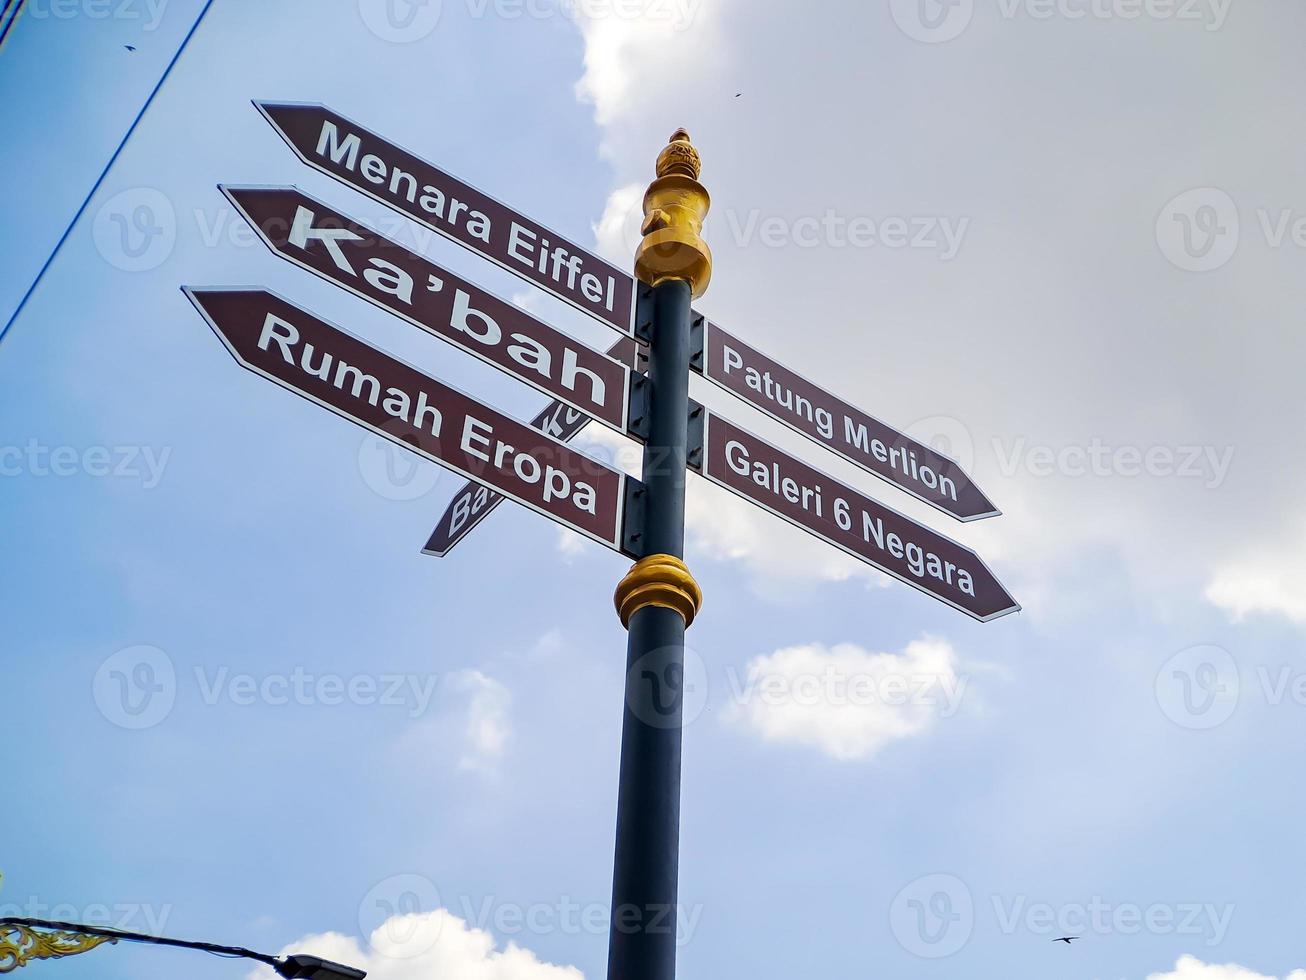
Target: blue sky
<point>1099,318</point>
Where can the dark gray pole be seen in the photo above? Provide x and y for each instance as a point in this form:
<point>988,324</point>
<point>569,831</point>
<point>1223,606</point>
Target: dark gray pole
<point>643,928</point>
<point>659,598</point>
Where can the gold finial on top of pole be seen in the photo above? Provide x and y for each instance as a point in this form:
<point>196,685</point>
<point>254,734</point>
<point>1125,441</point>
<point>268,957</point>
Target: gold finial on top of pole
<point>675,205</point>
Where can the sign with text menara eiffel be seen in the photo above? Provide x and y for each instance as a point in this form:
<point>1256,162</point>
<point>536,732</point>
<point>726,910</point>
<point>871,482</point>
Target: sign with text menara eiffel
<point>337,146</point>
<point>417,189</point>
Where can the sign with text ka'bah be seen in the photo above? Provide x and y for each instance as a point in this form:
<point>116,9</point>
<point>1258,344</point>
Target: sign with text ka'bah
<point>315,237</point>
<point>334,145</point>
<point>852,522</point>
<point>332,368</point>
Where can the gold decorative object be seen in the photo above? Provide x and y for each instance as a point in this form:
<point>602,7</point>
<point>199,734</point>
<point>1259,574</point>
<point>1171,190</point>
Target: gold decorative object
<point>675,205</point>
<point>658,580</point>
<point>19,944</point>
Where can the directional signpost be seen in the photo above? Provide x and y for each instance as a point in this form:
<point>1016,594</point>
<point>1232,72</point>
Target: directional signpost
<point>644,396</point>
<point>334,145</point>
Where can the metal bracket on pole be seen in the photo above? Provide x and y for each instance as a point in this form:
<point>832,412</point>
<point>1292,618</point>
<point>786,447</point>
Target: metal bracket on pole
<point>696,332</point>
<point>644,313</point>
<point>694,445</point>
<point>638,420</point>
<point>634,509</point>
<point>637,415</point>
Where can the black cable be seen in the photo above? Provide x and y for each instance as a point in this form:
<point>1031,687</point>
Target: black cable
<point>17,6</point>
<point>22,303</point>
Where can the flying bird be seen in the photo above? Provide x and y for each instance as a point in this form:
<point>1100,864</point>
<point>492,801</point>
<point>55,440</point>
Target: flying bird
<point>1065,939</point>
<point>129,47</point>
<point>738,94</point>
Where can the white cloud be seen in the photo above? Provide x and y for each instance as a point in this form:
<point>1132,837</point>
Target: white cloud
<point>1273,580</point>
<point>846,701</point>
<point>402,949</point>
<point>486,724</point>
<point>527,299</point>
<point>618,231</point>
<point>1191,968</point>
<point>622,42</point>
<point>472,730</point>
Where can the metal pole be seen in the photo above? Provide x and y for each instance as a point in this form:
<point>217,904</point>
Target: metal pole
<point>658,598</point>
<point>643,927</point>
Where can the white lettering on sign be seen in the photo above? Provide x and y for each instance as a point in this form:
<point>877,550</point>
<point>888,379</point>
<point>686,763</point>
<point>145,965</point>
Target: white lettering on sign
<point>401,184</point>
<point>478,440</point>
<point>795,408</point>
<point>769,478</point>
<point>469,505</point>
<point>920,562</point>
<point>399,404</point>
<point>559,265</point>
<point>555,262</point>
<point>781,397</point>
<point>468,321</point>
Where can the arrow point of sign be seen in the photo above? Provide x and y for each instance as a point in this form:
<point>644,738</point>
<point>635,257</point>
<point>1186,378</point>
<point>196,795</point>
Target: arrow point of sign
<point>992,511</point>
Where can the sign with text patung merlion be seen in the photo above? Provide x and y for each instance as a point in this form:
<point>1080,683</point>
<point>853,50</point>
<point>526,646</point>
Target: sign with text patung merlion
<point>841,427</point>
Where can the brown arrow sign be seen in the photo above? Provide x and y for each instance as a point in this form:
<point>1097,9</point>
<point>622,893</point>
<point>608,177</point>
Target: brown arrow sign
<point>337,146</point>
<point>832,422</point>
<point>339,372</point>
<point>314,237</point>
<point>852,522</point>
<point>474,502</point>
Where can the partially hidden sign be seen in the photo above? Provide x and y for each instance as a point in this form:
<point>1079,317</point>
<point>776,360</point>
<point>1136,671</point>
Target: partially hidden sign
<point>474,502</point>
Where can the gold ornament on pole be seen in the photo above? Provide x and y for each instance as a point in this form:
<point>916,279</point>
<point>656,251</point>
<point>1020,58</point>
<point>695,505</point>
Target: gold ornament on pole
<point>19,944</point>
<point>658,580</point>
<point>675,205</point>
